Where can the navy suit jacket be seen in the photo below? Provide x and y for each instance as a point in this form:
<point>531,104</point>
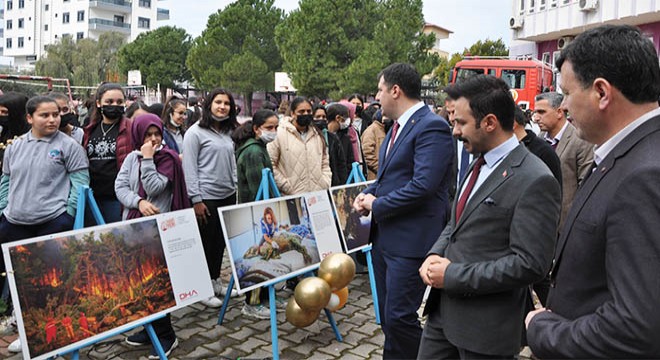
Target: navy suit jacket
<point>412,186</point>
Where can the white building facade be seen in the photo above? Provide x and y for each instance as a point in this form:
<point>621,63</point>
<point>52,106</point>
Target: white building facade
<point>541,28</point>
<point>31,25</point>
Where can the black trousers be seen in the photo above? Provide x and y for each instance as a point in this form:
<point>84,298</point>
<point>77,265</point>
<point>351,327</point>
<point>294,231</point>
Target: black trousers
<point>435,345</point>
<point>213,239</point>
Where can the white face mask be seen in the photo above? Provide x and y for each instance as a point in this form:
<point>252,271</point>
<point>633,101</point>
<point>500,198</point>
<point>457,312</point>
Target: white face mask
<point>174,123</point>
<point>268,136</point>
<point>345,124</point>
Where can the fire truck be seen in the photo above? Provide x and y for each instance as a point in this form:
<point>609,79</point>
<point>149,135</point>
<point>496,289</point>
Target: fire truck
<point>526,78</point>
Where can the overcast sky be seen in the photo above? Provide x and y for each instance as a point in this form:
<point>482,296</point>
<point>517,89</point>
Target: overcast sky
<point>470,20</point>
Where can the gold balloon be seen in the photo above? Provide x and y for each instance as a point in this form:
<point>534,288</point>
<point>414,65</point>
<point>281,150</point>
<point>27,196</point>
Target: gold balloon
<point>312,294</point>
<point>338,270</point>
<point>298,317</point>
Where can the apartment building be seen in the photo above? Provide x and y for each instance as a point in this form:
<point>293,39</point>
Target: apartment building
<point>31,25</point>
<point>541,28</point>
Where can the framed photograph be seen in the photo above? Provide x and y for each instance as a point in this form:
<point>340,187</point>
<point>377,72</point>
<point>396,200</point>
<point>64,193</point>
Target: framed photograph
<point>271,240</point>
<point>71,289</point>
<point>354,228</point>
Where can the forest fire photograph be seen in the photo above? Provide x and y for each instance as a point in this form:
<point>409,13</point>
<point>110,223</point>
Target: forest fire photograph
<point>75,287</point>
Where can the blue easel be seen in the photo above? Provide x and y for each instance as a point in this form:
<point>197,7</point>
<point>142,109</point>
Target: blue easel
<point>85,196</point>
<point>357,176</point>
<point>267,185</point>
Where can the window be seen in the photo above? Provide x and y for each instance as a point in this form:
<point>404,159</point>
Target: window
<point>21,4</point>
<point>546,57</point>
<point>532,4</point>
<point>81,15</point>
<point>10,24</point>
<point>145,3</point>
<point>10,5</point>
<point>46,7</point>
<point>21,23</point>
<point>46,27</point>
<point>466,73</point>
<point>514,78</point>
<point>80,35</point>
<point>553,3</point>
<point>65,18</point>
<point>143,23</point>
<point>9,43</point>
<point>20,42</point>
<point>542,5</point>
<point>522,6</point>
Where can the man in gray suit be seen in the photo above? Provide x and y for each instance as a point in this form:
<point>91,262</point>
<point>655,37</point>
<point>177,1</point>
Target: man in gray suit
<point>605,279</point>
<point>500,237</point>
<point>576,155</point>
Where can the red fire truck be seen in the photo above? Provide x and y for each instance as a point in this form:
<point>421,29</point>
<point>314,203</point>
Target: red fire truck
<point>526,78</point>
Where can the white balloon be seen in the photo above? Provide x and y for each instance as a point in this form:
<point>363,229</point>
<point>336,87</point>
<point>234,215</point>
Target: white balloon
<point>333,304</point>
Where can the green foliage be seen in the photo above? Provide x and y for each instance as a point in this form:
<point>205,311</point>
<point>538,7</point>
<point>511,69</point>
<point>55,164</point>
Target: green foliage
<point>160,55</point>
<point>85,62</point>
<point>237,49</point>
<point>336,47</point>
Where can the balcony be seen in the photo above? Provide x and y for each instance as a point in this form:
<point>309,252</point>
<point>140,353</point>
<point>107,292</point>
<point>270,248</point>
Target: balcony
<point>109,25</point>
<point>163,14</point>
<point>122,6</point>
<point>2,13</point>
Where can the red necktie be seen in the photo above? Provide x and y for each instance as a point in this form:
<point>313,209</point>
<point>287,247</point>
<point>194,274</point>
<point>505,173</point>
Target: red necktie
<point>468,189</point>
<point>395,128</point>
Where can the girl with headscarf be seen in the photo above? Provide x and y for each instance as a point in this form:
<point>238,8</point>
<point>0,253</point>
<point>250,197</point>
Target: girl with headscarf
<point>151,182</point>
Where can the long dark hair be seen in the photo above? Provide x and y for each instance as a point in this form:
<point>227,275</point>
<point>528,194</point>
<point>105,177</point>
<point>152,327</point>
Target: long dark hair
<point>246,131</point>
<point>227,126</point>
<point>104,88</point>
<point>170,104</point>
<point>15,103</point>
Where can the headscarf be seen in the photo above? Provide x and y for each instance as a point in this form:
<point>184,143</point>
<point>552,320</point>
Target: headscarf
<point>167,163</point>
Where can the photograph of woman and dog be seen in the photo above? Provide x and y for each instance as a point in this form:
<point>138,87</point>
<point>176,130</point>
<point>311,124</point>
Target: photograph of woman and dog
<point>269,240</point>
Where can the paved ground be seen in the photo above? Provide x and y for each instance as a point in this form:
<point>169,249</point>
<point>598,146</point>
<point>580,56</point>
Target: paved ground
<point>246,338</point>
<point>241,337</point>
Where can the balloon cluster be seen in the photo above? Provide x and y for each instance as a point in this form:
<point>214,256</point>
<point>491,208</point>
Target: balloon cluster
<point>327,290</point>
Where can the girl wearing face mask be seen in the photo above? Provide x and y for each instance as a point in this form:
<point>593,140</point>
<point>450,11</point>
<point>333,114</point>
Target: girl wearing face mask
<point>174,120</point>
<point>209,166</point>
<point>68,120</point>
<point>360,122</point>
<point>107,140</point>
<point>338,124</point>
<point>251,154</point>
<point>335,153</point>
<point>299,154</point>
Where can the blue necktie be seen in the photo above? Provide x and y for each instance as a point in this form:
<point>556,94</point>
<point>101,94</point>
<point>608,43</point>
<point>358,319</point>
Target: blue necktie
<point>465,164</point>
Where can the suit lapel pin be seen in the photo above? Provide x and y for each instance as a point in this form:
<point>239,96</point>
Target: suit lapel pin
<point>603,169</point>
<point>504,174</point>
<point>413,121</point>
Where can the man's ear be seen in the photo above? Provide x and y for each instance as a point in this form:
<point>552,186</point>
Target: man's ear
<point>603,90</point>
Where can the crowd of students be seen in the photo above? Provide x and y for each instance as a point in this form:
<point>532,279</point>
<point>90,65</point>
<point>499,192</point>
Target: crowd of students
<point>144,160</point>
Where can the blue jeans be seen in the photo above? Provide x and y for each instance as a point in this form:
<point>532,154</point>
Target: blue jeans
<point>110,210</point>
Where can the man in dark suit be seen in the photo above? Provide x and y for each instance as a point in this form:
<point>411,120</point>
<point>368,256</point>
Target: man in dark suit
<point>605,287</point>
<point>576,155</point>
<point>408,202</point>
<point>500,238</point>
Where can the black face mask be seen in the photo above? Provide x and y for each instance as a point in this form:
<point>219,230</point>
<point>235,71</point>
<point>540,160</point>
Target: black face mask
<point>67,119</point>
<point>321,124</point>
<point>4,120</point>
<point>113,112</point>
<point>388,124</point>
<point>304,120</point>
<point>358,111</point>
